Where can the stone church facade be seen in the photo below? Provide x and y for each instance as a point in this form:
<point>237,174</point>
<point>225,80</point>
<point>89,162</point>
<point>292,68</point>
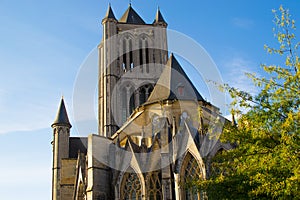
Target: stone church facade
<point>153,123</point>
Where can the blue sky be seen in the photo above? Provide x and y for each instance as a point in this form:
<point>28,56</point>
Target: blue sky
<point>43,44</point>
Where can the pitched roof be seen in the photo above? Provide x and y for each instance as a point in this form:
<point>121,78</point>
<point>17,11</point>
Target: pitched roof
<point>109,14</point>
<point>159,18</point>
<point>174,84</point>
<point>62,116</point>
<point>131,17</point>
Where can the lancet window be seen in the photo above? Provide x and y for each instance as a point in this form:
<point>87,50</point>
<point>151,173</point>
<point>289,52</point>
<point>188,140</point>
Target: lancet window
<point>190,173</point>
<point>144,54</point>
<point>145,92</point>
<point>127,54</point>
<point>153,186</point>
<point>127,102</point>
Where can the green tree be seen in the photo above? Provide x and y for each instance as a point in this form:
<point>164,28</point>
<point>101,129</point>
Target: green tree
<point>266,161</point>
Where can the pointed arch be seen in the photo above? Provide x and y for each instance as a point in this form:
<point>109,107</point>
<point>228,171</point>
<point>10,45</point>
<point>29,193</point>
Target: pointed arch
<point>144,36</point>
<point>154,186</point>
<point>190,171</point>
<point>132,185</point>
<point>123,104</point>
<point>80,195</point>
<point>144,92</point>
<point>145,54</point>
<point>132,105</point>
<point>126,52</point>
<point>127,99</point>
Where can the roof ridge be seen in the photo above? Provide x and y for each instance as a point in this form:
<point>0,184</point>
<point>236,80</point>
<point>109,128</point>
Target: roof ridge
<point>131,17</point>
<point>174,84</point>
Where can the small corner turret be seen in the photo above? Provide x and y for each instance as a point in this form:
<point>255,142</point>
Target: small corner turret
<point>109,16</point>
<point>159,20</point>
<point>61,133</point>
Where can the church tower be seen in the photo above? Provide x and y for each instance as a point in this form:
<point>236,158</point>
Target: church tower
<point>154,126</point>
<point>61,133</point>
<point>131,55</point>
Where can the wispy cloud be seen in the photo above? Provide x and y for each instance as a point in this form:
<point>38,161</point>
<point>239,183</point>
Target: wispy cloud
<point>30,86</point>
<point>242,23</point>
<point>237,68</point>
<point>25,117</point>
<point>235,76</point>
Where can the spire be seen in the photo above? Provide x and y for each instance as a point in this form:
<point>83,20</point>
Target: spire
<point>109,14</point>
<point>62,116</point>
<point>174,84</point>
<point>159,18</point>
<point>131,17</point>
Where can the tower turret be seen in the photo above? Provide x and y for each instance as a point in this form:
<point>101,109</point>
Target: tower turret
<point>131,55</point>
<point>159,20</point>
<point>61,133</point>
<point>107,73</point>
<point>109,15</point>
<point>160,23</point>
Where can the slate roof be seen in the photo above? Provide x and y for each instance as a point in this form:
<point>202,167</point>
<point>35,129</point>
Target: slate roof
<point>109,14</point>
<point>131,17</point>
<point>62,116</point>
<point>159,18</point>
<point>172,80</point>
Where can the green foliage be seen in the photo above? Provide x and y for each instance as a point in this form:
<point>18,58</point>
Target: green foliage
<point>266,161</point>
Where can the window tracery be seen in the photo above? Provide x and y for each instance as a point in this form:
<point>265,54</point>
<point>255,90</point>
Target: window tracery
<point>145,92</point>
<point>191,172</point>
<point>131,187</point>
<point>154,188</point>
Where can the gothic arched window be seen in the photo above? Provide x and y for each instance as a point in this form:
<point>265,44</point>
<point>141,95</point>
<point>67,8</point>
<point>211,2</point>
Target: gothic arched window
<point>127,97</point>
<point>153,186</point>
<point>131,188</point>
<point>124,63</point>
<point>143,95</point>
<point>124,105</point>
<point>131,55</point>
<point>145,92</point>
<point>141,51</point>
<point>147,56</point>
<point>190,172</point>
<point>132,102</point>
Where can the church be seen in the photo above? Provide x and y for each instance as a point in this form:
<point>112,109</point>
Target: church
<point>156,133</point>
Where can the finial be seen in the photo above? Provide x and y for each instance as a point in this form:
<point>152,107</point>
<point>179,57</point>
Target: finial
<point>109,4</point>
<point>130,3</point>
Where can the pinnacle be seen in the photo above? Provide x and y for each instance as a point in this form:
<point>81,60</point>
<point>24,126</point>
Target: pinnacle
<point>62,116</point>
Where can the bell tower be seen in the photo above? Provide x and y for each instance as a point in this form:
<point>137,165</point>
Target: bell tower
<point>131,56</point>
